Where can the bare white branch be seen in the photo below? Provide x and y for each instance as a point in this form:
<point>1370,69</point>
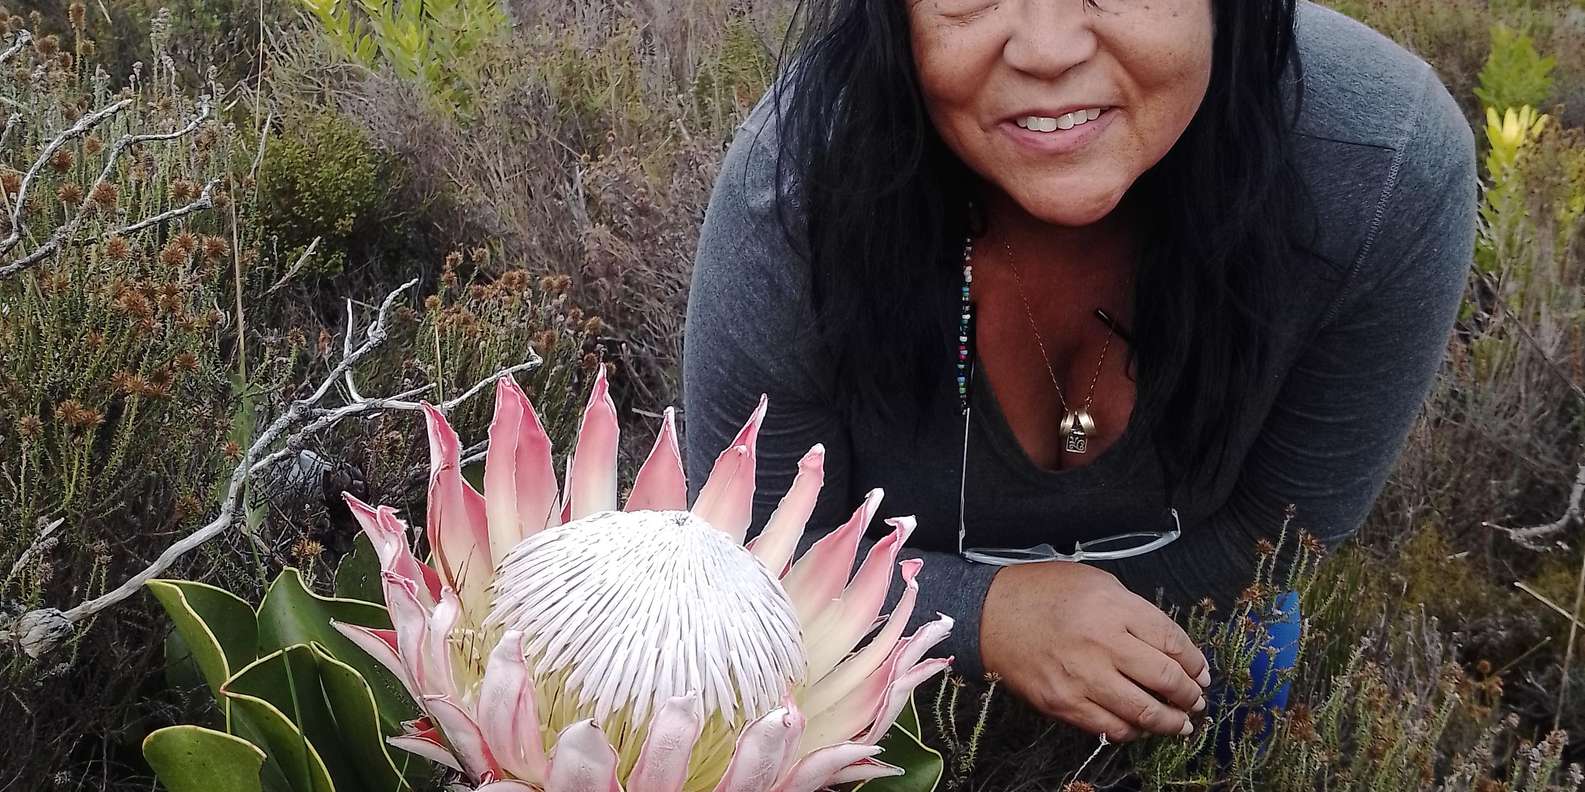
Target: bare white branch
<point>78,129</point>
<point>204,201</point>
<point>41,630</point>
<point>43,544</point>
<point>12,122</point>
<point>23,37</point>
<point>1536,537</point>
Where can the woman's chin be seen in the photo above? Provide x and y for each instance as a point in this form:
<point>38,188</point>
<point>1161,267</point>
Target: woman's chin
<point>1071,209</point>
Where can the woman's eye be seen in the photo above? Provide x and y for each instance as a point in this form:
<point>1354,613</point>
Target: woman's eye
<point>964,9</point>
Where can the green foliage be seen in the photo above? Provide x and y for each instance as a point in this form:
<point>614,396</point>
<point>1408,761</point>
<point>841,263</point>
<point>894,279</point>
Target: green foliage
<point>1378,702</point>
<point>904,747</point>
<point>322,179</point>
<point>1515,74</point>
<point>113,369</point>
<point>316,706</point>
<point>430,42</point>
<point>196,759</point>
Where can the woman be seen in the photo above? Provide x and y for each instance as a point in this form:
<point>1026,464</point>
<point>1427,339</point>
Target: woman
<point>1215,250</point>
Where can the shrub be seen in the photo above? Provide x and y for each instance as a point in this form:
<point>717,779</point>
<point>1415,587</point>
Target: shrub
<point>322,179</point>
<point>114,391</point>
<point>1515,74</point>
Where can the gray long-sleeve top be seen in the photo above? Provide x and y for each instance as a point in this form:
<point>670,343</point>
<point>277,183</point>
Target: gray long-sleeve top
<point>1390,164</point>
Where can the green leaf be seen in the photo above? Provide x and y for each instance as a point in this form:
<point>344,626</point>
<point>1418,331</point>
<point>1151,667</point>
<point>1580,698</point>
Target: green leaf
<point>358,726</point>
<point>291,614</point>
<point>196,759</point>
<point>922,765</point>
<point>279,694</point>
<point>358,574</point>
<point>216,626</point>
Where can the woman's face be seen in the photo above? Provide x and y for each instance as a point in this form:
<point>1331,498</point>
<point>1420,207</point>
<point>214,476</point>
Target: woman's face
<point>1003,78</point>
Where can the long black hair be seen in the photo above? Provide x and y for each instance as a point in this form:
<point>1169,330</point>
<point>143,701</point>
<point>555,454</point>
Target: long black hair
<point>882,197</point>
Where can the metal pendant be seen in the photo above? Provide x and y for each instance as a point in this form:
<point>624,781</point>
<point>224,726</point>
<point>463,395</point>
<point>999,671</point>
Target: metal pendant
<point>1076,428</point>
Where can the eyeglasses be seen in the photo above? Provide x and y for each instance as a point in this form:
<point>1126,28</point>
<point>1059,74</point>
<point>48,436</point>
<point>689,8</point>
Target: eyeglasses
<point>1108,548</point>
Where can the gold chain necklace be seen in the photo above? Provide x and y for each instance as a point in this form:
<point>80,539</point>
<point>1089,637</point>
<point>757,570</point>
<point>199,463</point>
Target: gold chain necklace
<point>1077,424</point>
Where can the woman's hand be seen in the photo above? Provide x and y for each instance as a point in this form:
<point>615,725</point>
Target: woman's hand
<point>1078,646</point>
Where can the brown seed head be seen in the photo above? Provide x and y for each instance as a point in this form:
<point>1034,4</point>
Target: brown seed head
<point>173,255</point>
<point>185,361</point>
<point>1312,544</point>
<point>544,340</point>
<point>183,190</point>
<point>11,182</point>
<point>135,305</point>
<point>29,427</point>
<point>306,549</point>
<point>78,14</point>
<point>70,194</point>
<point>215,248</point>
<point>105,195</point>
<point>118,249</point>
<point>92,145</point>
<point>187,241</point>
<point>94,339</point>
<point>125,382</point>
<point>231,450</point>
<point>62,160</point>
<point>1265,548</point>
<point>75,415</point>
<point>48,46</point>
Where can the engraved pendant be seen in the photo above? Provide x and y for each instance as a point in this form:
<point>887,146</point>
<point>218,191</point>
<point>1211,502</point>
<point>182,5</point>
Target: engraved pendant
<point>1077,442</point>
<point>1076,428</point>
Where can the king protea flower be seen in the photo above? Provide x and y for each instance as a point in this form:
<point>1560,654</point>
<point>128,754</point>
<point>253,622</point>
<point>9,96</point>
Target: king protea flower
<point>560,644</point>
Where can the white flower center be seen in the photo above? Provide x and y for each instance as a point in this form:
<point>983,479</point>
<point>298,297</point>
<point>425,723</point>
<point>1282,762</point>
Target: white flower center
<point>630,609</point>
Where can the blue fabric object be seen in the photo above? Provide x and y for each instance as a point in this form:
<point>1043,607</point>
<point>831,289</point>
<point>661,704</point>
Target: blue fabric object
<point>1267,690</point>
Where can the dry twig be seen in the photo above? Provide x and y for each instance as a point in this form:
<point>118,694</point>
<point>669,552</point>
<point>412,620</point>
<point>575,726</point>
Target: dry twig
<point>41,630</point>
<point>1572,516</point>
<point>205,200</point>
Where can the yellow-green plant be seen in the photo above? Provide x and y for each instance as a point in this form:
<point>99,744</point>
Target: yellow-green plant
<point>427,41</point>
<point>1515,74</point>
<point>1502,212</point>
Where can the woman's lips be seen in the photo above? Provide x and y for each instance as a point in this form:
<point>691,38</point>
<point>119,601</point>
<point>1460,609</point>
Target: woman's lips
<point>1062,141</point>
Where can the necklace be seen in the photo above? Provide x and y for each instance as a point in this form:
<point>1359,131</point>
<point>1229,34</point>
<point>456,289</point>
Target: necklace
<point>1078,424</point>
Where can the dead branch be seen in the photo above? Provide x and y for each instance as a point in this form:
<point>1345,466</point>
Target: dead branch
<point>23,37</point>
<point>204,201</point>
<point>1532,538</point>
<point>40,631</point>
<point>78,129</point>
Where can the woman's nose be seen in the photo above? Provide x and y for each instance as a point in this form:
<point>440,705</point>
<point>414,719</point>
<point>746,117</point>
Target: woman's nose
<point>1050,37</point>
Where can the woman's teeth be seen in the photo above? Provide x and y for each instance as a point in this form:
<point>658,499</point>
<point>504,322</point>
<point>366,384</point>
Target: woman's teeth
<point>1065,121</point>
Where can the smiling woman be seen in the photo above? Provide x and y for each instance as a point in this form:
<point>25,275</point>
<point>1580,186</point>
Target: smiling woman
<point>1126,277</point>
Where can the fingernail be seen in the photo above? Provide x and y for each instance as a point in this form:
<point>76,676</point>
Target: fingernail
<point>1188,728</point>
<point>1204,678</point>
<point>1199,706</point>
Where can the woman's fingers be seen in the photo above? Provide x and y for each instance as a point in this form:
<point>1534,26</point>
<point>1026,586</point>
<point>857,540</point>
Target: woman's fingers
<point>1136,707</point>
<point>1095,719</point>
<point>1159,673</point>
<point>1159,630</point>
